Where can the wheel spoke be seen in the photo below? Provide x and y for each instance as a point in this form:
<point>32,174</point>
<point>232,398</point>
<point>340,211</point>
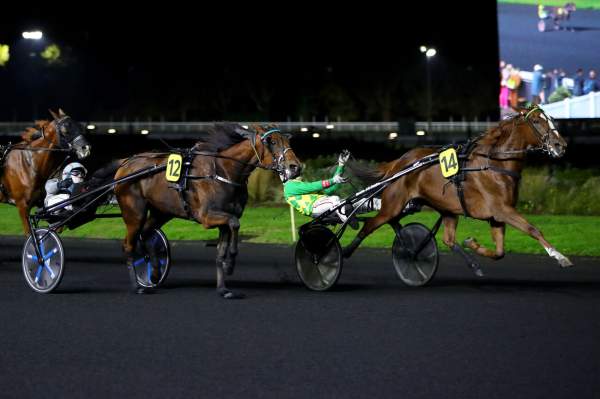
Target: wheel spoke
<point>50,254</point>
<point>47,266</point>
<point>38,274</point>
<point>149,272</point>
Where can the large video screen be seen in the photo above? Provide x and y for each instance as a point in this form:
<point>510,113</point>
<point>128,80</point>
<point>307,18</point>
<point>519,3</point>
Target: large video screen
<point>550,55</point>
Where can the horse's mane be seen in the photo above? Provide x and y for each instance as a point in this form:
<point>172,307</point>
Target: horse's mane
<point>496,135</point>
<point>220,137</point>
<point>33,133</point>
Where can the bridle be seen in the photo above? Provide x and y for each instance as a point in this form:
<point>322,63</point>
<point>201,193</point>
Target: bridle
<point>62,146</point>
<point>543,137</point>
<point>71,145</point>
<point>278,156</point>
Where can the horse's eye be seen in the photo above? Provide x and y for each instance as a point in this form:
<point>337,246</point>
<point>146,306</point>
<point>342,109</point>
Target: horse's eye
<point>271,141</point>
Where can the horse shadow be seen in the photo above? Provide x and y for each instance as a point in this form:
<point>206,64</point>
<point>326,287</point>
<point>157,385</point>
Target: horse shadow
<point>510,285</point>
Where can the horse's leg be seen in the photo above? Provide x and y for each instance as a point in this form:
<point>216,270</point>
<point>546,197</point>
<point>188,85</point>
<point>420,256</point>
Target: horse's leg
<point>497,230</point>
<point>155,220</point>
<point>221,220</point>
<point>392,203</point>
<point>134,215</point>
<point>450,223</point>
<point>370,226</point>
<point>23,209</point>
<point>512,217</point>
<point>232,251</point>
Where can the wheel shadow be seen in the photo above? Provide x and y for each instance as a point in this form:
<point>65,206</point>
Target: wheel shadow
<point>517,285</point>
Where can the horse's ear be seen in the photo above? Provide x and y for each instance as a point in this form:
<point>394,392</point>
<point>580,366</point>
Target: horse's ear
<point>243,132</point>
<point>247,134</point>
<point>61,113</point>
<point>53,114</point>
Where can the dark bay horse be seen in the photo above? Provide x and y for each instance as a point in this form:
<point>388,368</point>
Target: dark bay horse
<point>490,189</point>
<point>216,192</point>
<point>29,164</point>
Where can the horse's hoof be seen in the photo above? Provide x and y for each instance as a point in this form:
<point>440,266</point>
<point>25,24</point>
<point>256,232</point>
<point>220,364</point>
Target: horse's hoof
<point>228,294</point>
<point>228,268</point>
<point>565,262</point>
<point>154,279</point>
<point>143,291</point>
<point>476,269</point>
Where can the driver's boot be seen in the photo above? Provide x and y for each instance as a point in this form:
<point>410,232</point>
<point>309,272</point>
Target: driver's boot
<point>347,210</point>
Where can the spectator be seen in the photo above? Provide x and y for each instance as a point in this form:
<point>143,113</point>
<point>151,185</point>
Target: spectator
<point>514,83</point>
<point>556,78</point>
<point>537,84</point>
<point>591,84</point>
<point>504,91</point>
<point>547,89</point>
<point>578,83</point>
<point>560,79</point>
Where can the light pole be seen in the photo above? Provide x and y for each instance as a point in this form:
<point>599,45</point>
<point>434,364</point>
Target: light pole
<point>34,36</point>
<point>429,53</point>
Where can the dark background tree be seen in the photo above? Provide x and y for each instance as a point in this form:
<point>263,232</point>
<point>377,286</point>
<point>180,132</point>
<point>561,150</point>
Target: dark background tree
<point>335,62</point>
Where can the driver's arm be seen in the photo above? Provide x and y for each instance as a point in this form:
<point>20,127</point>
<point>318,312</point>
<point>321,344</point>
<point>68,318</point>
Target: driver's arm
<point>295,187</point>
<point>51,186</point>
<point>334,187</point>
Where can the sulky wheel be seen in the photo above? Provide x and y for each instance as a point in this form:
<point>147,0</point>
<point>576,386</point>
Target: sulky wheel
<point>415,268</point>
<point>43,275</point>
<point>318,258</point>
<point>152,253</point>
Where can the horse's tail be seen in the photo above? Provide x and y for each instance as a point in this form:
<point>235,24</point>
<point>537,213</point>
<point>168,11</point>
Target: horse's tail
<point>368,174</point>
<point>105,174</point>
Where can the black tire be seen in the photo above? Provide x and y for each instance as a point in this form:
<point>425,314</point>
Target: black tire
<point>415,270</point>
<point>318,258</point>
<point>152,250</point>
<point>43,278</point>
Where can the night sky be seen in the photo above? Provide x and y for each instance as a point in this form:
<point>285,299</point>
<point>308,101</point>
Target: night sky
<point>354,62</point>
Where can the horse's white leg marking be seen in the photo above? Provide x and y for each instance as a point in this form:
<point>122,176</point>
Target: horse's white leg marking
<point>563,261</point>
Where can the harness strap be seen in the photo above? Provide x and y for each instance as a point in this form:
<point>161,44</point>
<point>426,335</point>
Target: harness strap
<point>493,168</point>
<point>461,195</point>
<point>181,186</point>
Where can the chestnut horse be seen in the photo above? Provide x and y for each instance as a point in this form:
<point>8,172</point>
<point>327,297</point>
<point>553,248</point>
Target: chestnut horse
<point>29,164</point>
<point>491,167</point>
<point>216,191</point>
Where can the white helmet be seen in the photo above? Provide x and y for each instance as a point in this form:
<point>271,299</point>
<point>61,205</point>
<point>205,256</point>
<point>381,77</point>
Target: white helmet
<point>72,167</point>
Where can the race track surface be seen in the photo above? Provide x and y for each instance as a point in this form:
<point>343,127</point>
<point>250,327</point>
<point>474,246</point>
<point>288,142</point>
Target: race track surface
<point>523,46</point>
<point>526,330</point>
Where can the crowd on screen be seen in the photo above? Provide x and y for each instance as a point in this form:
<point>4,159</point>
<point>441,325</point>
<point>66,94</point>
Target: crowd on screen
<point>546,86</point>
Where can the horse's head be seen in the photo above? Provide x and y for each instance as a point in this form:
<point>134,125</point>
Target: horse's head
<point>70,134</point>
<point>570,7</point>
<point>544,135</point>
<point>279,155</point>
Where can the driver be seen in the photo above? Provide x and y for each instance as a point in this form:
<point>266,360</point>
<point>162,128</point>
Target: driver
<point>315,198</point>
<point>71,182</point>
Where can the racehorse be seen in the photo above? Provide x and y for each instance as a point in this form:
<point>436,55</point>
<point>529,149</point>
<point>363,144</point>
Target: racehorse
<point>491,167</point>
<point>556,14</point>
<point>26,166</point>
<point>216,191</point>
